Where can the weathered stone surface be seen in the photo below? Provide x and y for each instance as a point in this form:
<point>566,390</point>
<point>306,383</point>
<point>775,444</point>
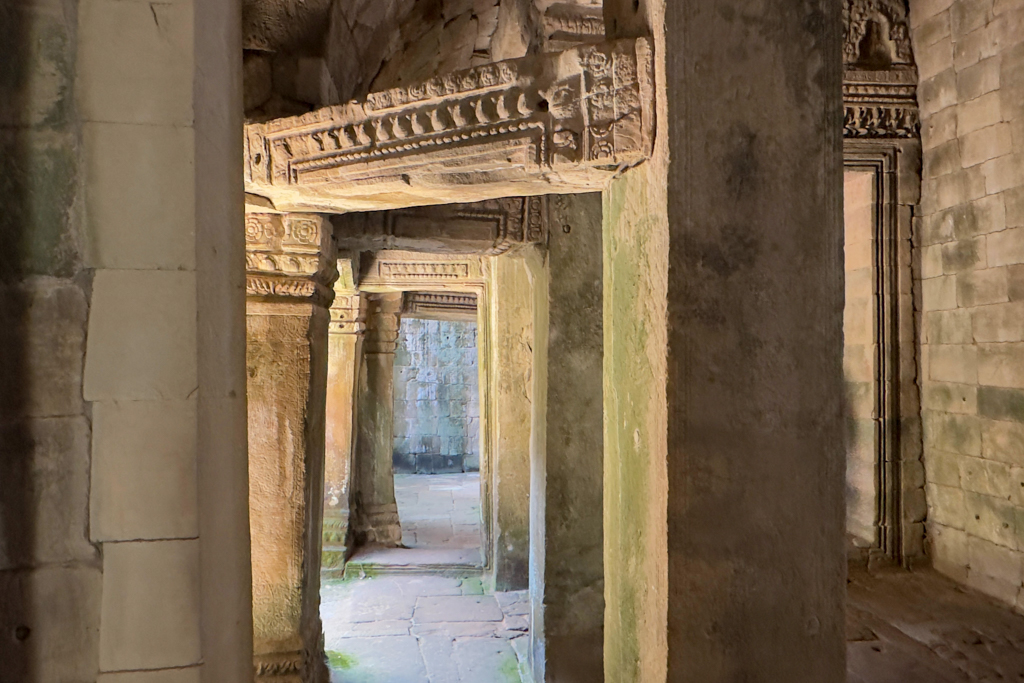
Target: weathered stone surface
<point>51,620</point>
<point>45,470</point>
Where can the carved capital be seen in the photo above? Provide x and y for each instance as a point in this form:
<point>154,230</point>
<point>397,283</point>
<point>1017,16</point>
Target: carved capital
<point>289,257</point>
<point>552,122</point>
<point>382,320</point>
<point>348,313</point>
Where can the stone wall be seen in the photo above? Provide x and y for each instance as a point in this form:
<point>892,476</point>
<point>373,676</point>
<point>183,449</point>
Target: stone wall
<point>437,398</point>
<point>50,572</point>
<point>971,265</point>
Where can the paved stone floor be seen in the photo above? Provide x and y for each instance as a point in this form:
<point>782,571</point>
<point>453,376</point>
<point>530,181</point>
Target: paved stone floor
<point>440,515</point>
<point>407,628</point>
<point>921,627</point>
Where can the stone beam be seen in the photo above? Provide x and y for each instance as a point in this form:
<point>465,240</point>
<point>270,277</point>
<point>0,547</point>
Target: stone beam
<point>549,123</point>
<point>290,267</point>
<point>489,227</point>
<point>440,306</point>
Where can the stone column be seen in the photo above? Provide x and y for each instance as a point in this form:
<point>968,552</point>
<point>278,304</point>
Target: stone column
<point>571,595</point>
<point>510,373</point>
<point>375,511</point>
<point>290,266</point>
<point>344,355</point>
<point>724,448</point>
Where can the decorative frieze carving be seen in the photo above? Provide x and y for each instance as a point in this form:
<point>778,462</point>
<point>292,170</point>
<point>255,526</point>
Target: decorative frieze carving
<point>406,270</point>
<point>569,24</point>
<point>881,104</point>
<point>446,305</point>
<point>289,257</point>
<point>545,123</point>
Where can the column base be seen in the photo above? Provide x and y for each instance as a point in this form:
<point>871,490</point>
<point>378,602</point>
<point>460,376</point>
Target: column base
<point>378,525</point>
<point>290,667</point>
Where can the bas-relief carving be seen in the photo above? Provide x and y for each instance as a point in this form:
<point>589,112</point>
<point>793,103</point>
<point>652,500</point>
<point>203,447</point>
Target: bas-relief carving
<point>406,270</point>
<point>880,83</point>
<point>546,123</point>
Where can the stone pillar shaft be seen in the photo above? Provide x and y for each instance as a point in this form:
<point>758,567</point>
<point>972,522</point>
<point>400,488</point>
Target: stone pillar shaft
<point>375,511</point>
<point>345,347</point>
<point>290,268</point>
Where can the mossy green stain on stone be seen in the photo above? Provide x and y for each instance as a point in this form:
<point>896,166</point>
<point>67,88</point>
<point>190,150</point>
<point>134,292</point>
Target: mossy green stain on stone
<point>38,176</point>
<point>1001,404</point>
<point>509,669</point>
<point>628,381</point>
<point>339,660</point>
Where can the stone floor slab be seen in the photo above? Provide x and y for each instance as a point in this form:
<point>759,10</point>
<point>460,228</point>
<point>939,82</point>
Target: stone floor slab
<point>389,659</point>
<point>457,608</point>
<point>486,660</point>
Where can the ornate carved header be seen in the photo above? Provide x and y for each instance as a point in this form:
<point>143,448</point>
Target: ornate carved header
<point>408,271</point>
<point>569,24</point>
<point>558,122</point>
<point>490,227</point>
<point>440,305</point>
<point>880,83</point>
<point>289,257</point>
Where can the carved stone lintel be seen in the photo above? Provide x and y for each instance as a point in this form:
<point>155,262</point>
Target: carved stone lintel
<point>406,270</point>
<point>289,257</point>
<point>545,123</point>
<point>489,227</point>
<point>440,305</point>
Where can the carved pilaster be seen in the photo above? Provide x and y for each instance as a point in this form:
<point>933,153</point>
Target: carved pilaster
<point>345,342</point>
<point>374,508</point>
<point>289,272</point>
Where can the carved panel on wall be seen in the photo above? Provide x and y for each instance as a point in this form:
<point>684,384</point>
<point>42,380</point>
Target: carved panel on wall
<point>545,123</point>
<point>880,82</point>
<point>489,227</point>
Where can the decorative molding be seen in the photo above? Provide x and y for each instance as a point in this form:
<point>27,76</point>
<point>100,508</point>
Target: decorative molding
<point>279,664</point>
<point>566,25</point>
<point>383,315</point>
<point>443,305</point>
<point>288,257</point>
<point>549,122</point>
<point>348,313</point>
<point>881,104</point>
<point>414,271</point>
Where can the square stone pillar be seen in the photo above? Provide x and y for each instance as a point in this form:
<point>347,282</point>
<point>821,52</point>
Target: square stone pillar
<point>290,265</point>
<point>374,510</point>
<point>724,415</point>
<point>569,604</point>
<point>344,356</point>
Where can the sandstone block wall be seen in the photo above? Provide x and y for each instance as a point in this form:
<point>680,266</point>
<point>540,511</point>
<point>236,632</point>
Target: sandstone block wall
<point>50,571</point>
<point>970,262</point>
<point>437,399</point>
